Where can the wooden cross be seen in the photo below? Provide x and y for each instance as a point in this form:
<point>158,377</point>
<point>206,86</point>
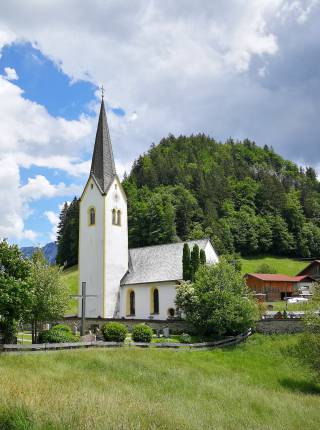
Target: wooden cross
<point>83,297</point>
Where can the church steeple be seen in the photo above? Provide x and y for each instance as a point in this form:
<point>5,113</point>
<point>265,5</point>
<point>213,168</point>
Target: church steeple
<point>102,166</point>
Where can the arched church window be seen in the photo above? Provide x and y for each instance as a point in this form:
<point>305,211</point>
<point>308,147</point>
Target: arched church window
<point>155,301</point>
<point>131,305</point>
<point>114,217</point>
<point>118,217</point>
<point>92,216</point>
<point>171,312</point>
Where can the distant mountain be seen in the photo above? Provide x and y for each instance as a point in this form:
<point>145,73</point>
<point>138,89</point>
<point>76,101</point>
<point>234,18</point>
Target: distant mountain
<point>49,250</point>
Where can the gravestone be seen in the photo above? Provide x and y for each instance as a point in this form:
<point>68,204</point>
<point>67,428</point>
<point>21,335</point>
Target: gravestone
<point>166,332</point>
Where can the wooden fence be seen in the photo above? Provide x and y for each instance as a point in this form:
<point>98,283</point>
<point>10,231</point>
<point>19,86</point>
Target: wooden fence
<point>229,341</point>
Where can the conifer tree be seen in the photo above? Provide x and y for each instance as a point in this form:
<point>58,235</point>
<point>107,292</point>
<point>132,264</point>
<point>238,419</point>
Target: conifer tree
<point>203,259</point>
<point>68,234</point>
<point>186,262</point>
<point>61,239</point>
<point>195,262</point>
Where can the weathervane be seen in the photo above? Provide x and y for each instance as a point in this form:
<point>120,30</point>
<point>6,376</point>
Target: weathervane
<point>102,91</point>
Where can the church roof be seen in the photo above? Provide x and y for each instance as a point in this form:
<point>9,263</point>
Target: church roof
<point>157,263</point>
<point>102,167</point>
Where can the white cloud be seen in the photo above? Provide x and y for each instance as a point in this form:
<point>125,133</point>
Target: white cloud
<point>39,187</point>
<point>12,208</point>
<point>297,9</point>
<point>174,67</point>
<point>54,221</point>
<point>10,74</point>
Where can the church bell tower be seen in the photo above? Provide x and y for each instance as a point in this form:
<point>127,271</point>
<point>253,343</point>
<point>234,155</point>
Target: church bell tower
<point>103,230</point>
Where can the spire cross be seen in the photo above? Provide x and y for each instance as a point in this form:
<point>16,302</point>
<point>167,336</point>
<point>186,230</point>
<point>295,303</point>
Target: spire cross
<point>102,91</point>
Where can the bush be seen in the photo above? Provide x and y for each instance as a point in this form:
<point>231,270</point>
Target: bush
<point>58,334</point>
<point>185,338</point>
<point>142,333</point>
<point>114,332</point>
<point>218,302</point>
<point>61,327</point>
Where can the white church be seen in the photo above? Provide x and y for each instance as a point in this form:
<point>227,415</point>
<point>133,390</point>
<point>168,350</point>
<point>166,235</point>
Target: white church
<point>135,283</point>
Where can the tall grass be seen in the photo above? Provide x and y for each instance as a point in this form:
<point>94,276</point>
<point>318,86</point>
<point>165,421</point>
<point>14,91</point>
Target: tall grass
<point>257,385</point>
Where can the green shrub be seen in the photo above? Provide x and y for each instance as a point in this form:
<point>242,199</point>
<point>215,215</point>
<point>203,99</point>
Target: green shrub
<point>114,332</point>
<point>142,333</point>
<point>62,327</point>
<point>57,334</point>
<point>185,338</point>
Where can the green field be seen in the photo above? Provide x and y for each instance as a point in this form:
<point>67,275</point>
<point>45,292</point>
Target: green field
<point>70,277</point>
<point>286,266</point>
<point>257,385</point>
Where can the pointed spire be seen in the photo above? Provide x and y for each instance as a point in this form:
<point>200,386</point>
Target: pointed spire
<point>102,166</point>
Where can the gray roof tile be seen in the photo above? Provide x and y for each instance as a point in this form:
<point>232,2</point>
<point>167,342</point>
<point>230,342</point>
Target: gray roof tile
<point>157,263</point>
<point>102,166</point>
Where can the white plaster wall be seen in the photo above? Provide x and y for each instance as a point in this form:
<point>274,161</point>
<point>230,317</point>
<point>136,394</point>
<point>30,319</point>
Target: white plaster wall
<point>211,255</point>
<point>91,250</point>
<point>116,249</point>
<point>167,294</point>
<point>304,284</point>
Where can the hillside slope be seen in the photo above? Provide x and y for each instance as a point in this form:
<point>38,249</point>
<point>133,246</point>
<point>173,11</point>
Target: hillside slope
<point>71,280</point>
<point>246,198</point>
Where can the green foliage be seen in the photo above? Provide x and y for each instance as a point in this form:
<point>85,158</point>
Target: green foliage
<point>114,332</point>
<point>142,333</point>
<point>235,260</point>
<point>68,234</point>
<point>50,297</point>
<point>195,262</point>
<point>309,344</point>
<point>266,268</point>
<point>62,327</point>
<point>218,301</point>
<point>15,294</point>
<point>186,262</point>
<point>203,258</point>
<point>246,198</point>
<point>58,334</point>
<point>185,338</point>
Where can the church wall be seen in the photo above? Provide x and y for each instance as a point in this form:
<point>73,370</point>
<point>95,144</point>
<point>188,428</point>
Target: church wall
<point>91,249</point>
<point>116,249</point>
<point>143,306</point>
<point>211,255</point>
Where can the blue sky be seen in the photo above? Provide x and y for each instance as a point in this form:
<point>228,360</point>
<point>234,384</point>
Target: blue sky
<point>241,69</point>
<point>45,83</point>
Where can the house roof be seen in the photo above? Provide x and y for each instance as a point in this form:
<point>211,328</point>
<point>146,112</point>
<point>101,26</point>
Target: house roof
<point>276,277</point>
<point>157,263</point>
<point>102,167</point>
<point>309,266</point>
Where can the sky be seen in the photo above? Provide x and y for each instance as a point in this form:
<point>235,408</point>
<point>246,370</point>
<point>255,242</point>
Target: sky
<point>236,68</point>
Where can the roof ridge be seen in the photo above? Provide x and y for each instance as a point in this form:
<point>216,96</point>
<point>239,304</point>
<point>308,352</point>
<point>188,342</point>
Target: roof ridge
<point>167,244</point>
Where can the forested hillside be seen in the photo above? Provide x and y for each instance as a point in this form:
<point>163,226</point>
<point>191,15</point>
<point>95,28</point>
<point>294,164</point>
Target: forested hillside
<point>246,198</point>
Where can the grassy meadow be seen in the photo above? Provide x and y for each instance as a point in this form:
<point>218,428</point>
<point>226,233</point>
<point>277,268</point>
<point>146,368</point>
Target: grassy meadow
<point>286,266</point>
<point>256,385</point>
<point>71,279</point>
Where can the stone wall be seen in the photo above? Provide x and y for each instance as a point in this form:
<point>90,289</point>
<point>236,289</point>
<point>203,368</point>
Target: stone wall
<point>175,326</point>
<point>272,326</point>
